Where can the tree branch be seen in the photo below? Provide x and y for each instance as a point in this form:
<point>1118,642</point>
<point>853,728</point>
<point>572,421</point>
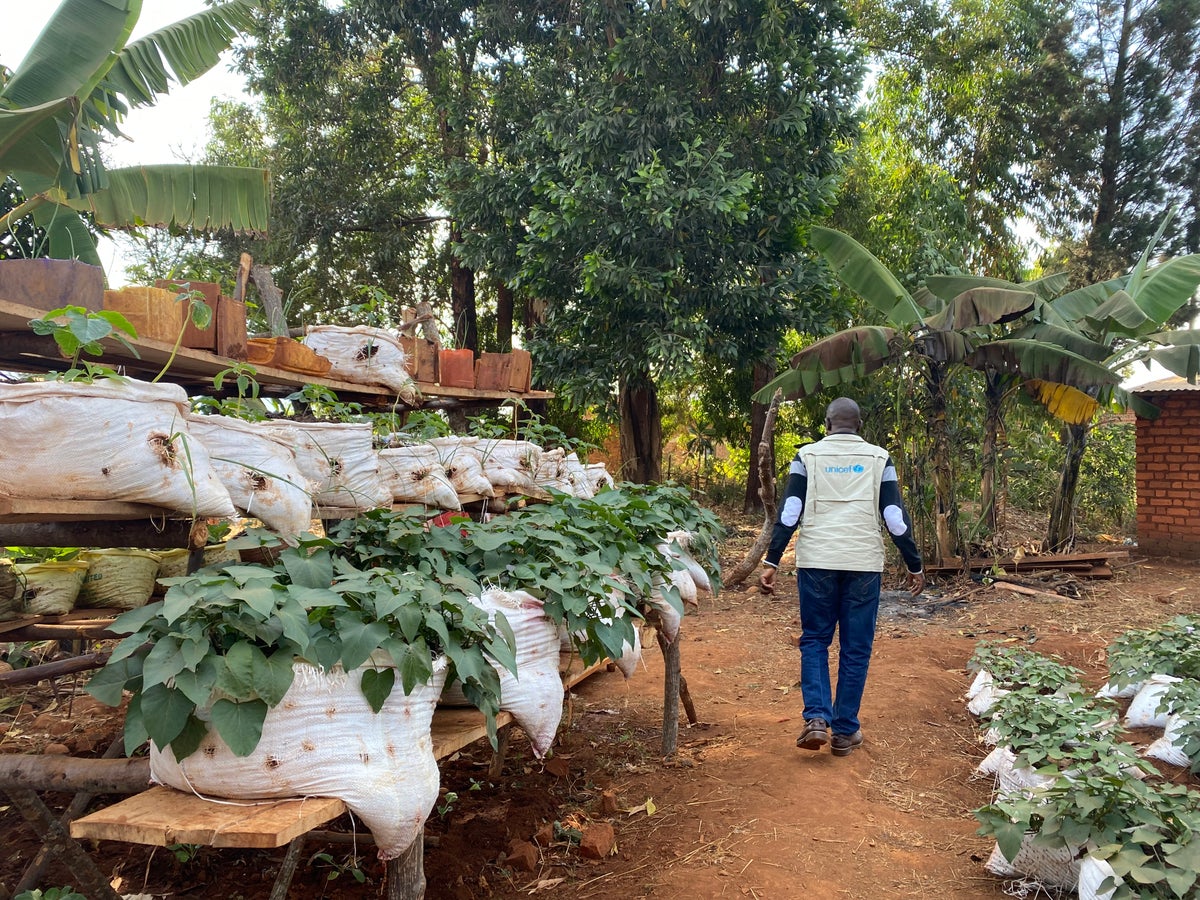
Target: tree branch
<point>766,492</point>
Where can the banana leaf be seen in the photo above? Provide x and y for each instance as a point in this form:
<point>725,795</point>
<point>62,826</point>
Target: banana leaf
<point>865,275</point>
<point>841,358</point>
<point>982,306</point>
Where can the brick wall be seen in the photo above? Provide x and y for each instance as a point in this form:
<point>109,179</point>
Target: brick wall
<point>1168,476</point>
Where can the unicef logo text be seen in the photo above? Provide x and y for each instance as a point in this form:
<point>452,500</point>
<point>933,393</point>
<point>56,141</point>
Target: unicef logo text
<point>857,469</point>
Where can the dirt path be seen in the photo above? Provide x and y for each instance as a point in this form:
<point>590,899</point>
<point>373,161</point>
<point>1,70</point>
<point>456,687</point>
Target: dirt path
<point>741,812</point>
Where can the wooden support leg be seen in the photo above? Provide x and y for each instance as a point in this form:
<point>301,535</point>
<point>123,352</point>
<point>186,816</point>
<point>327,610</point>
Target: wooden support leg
<point>91,881</point>
<point>33,874</point>
<point>406,873</point>
<point>497,766</point>
<point>287,869</point>
<point>670,732</point>
<point>685,697</point>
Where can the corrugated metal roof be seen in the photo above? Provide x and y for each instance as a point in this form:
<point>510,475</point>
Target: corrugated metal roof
<point>1175,383</point>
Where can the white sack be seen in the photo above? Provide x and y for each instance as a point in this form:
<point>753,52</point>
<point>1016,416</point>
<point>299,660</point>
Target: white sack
<point>463,466</point>
<point>598,477</point>
<point>535,695</point>
<point>260,472</point>
<point>1049,866</point>
<point>416,475</point>
<point>111,440</point>
<point>1092,873</point>
<point>323,740</point>
<point>669,617</point>
<point>339,460</point>
<point>576,474</point>
<point>994,763</point>
<point>1169,747</point>
<point>676,547</point>
<point>1112,692</point>
<point>983,678</point>
<point>364,355</point>
<point>551,472</point>
<point>1145,710</point>
<point>981,704</point>
<point>510,467</point>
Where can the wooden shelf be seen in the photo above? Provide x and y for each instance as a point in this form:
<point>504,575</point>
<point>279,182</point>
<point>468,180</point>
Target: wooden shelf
<point>23,351</point>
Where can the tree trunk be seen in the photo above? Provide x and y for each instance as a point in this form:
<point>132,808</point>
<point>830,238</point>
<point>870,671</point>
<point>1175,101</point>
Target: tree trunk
<point>504,318</point>
<point>993,431</point>
<point>944,496</point>
<point>462,298</point>
<point>1097,266</point>
<point>641,431</point>
<point>764,371</point>
<point>766,470</point>
<point>1060,532</point>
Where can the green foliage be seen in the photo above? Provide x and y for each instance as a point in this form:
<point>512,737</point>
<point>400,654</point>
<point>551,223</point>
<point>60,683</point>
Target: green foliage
<point>1182,700</point>
<point>82,331</point>
<point>351,866</point>
<point>1103,797</point>
<point>54,893</point>
<point>1107,498</point>
<point>226,639</point>
<point>1012,667</point>
<point>1172,648</point>
<point>581,557</point>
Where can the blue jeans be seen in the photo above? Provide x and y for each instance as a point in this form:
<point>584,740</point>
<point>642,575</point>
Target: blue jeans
<point>849,602</point>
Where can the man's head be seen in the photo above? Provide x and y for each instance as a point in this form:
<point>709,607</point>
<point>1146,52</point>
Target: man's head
<point>843,417</point>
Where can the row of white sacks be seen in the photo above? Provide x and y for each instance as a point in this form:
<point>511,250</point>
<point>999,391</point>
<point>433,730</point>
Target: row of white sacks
<point>1063,868</point>
<point>324,740</point>
<point>138,442</point>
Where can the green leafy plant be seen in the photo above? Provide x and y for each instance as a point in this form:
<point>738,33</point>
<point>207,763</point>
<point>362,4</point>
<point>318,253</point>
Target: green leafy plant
<point>1048,729</point>
<point>1172,648</point>
<point>225,640</point>
<point>1182,699</point>
<point>54,893</point>
<point>76,331</point>
<point>1012,667</point>
<point>351,866</point>
<point>447,803</point>
<point>323,403</point>
<point>185,853</point>
<point>244,405</point>
<point>196,312</point>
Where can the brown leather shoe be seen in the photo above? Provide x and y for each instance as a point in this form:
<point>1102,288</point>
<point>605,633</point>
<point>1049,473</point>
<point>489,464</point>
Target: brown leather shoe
<point>845,744</point>
<point>814,736</point>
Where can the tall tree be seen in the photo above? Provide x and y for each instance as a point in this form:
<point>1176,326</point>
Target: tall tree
<point>659,185</point>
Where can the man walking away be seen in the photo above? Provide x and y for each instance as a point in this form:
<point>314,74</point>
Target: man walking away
<point>839,491</point>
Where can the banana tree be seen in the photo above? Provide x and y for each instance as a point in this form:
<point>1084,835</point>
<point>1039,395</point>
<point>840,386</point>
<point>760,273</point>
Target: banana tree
<point>75,86</point>
<point>936,334</point>
<point>1117,323</point>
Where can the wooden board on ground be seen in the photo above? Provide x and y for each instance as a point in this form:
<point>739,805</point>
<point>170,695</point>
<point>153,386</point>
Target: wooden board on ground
<point>1082,563</point>
<point>163,816</point>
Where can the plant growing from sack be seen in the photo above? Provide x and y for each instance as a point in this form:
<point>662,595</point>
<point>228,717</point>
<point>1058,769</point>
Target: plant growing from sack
<point>243,405</point>
<point>77,331</point>
<point>223,642</point>
<point>579,556</point>
<point>1182,700</point>
<point>1046,730</point>
<point>1172,648</point>
<point>1017,667</point>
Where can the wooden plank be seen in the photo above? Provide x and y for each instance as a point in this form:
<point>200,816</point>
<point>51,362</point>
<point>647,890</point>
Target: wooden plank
<point>574,671</point>
<point>1046,561</point>
<point>163,816</point>
<point>456,727</point>
<point>15,510</point>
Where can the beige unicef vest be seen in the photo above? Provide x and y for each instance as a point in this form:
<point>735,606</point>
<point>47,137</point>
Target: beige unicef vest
<point>840,526</point>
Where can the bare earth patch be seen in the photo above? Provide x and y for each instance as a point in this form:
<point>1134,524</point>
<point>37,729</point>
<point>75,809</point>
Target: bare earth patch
<point>740,812</point>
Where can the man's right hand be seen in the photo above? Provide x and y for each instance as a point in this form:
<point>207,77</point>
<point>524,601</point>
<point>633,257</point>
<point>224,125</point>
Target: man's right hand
<point>766,581</point>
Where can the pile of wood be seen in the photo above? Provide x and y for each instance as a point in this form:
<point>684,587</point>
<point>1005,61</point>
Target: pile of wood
<point>1082,565</point>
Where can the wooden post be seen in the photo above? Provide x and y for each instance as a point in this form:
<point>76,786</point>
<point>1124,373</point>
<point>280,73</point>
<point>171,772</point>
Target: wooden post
<point>287,869</point>
<point>670,732</point>
<point>406,873</point>
<point>685,698</point>
<point>272,300</point>
<point>69,774</point>
<point>496,768</point>
<point>79,803</point>
<point>89,879</point>
<point>51,670</point>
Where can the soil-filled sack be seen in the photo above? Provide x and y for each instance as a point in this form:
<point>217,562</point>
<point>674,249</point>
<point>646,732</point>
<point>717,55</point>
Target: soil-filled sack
<point>339,461</point>
<point>117,578</point>
<point>364,355</point>
<point>463,465</point>
<point>510,466</point>
<point>1052,867</point>
<point>598,477</point>
<point>1169,747</point>
<point>1092,874</point>
<point>323,740</point>
<point>534,695</point>
<point>1147,710</point>
<point>111,440</point>
<point>551,472</point>
<point>416,475</point>
<point>668,616</point>
<point>676,547</point>
<point>577,476</point>
<point>260,471</point>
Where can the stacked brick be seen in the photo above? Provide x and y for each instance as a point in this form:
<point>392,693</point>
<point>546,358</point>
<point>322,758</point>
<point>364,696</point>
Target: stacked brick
<point>1168,471</point>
